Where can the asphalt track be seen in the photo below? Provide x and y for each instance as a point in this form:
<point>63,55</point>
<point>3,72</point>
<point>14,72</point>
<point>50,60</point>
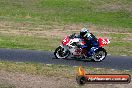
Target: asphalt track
<point>15,55</point>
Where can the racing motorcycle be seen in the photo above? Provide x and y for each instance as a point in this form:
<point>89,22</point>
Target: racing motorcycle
<point>69,46</point>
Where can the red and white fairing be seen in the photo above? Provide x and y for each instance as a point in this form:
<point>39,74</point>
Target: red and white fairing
<point>67,43</point>
<point>70,47</point>
<point>103,42</point>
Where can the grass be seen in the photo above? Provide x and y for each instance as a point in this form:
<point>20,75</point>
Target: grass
<point>49,70</point>
<point>28,42</point>
<point>68,11</point>
<point>53,70</point>
<point>50,15</point>
<point>122,47</point>
<point>6,86</point>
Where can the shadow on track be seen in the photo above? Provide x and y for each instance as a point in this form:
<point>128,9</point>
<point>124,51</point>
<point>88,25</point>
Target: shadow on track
<point>75,59</point>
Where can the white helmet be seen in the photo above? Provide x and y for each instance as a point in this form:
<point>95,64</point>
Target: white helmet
<point>84,32</point>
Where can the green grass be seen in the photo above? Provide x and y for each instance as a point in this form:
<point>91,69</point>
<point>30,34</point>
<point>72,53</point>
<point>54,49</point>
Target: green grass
<point>52,70</point>
<point>6,85</point>
<point>37,69</point>
<point>118,46</point>
<point>28,42</point>
<point>57,14</point>
<point>68,11</point>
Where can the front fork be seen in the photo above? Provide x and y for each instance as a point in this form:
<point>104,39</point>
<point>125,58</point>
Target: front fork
<point>63,47</point>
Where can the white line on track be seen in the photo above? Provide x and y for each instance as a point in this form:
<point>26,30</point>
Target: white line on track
<point>108,54</point>
<point>75,66</point>
<point>127,70</point>
<point>120,55</point>
<point>123,55</point>
<point>98,68</point>
<point>112,69</point>
<point>49,64</point>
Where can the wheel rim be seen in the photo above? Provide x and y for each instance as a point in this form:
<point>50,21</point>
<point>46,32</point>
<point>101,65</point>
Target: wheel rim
<point>61,53</point>
<point>99,56</point>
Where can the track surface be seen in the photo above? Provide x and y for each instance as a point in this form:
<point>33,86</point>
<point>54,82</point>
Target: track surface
<point>114,62</point>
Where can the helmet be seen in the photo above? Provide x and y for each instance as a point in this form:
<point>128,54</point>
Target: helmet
<point>84,32</point>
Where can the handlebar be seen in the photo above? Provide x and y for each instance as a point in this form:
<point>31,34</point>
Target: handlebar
<point>72,36</point>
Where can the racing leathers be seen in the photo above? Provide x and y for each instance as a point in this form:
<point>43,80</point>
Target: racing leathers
<point>91,44</point>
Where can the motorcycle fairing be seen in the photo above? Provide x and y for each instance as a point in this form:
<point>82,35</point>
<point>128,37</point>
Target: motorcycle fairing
<point>103,42</point>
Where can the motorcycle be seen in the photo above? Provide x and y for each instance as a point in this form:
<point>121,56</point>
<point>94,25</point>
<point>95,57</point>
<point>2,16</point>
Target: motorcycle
<point>69,46</point>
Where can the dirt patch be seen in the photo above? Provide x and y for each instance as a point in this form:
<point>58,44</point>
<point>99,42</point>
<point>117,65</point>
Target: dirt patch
<point>21,80</point>
<point>116,7</point>
<point>54,31</point>
<point>43,33</point>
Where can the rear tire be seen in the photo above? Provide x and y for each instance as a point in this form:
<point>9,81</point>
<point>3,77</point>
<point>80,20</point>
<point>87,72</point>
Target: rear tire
<point>99,55</point>
<point>60,54</point>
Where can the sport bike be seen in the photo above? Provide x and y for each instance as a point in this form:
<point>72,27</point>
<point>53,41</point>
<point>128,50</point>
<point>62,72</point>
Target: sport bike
<point>69,46</point>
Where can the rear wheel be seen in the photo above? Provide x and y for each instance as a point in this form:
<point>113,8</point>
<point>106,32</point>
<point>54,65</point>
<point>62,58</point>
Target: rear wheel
<point>99,55</point>
<point>61,53</point>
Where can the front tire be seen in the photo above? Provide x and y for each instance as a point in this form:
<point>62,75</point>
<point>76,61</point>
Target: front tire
<point>60,53</point>
<point>99,55</point>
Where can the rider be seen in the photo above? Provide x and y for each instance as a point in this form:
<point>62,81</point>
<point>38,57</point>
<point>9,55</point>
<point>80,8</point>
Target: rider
<point>91,41</point>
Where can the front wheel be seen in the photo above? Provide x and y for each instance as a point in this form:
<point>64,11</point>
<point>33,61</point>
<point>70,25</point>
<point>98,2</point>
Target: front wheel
<point>61,53</point>
<point>99,55</point>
